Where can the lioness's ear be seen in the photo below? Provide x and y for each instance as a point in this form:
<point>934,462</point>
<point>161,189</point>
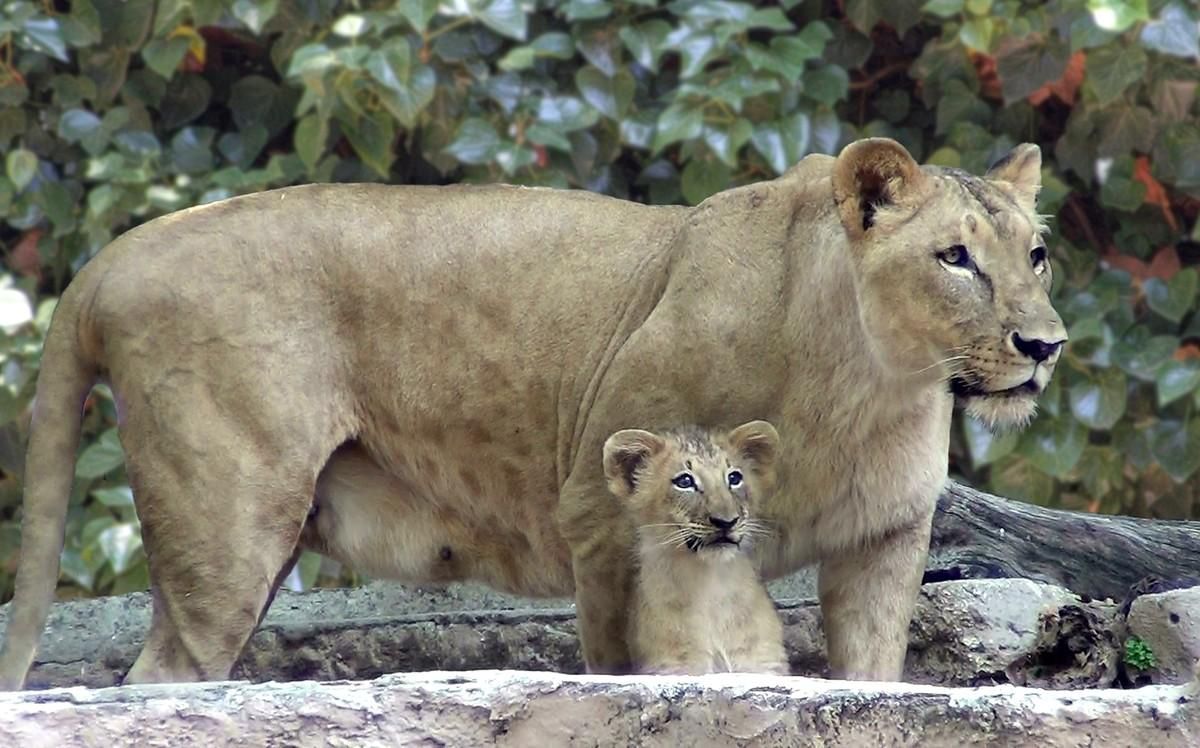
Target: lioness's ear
<point>625,452</point>
<point>757,443</point>
<point>1022,168</point>
<point>869,174</point>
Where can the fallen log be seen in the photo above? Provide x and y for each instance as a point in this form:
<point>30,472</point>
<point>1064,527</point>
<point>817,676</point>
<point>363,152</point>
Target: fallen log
<point>976,534</point>
<point>521,708</point>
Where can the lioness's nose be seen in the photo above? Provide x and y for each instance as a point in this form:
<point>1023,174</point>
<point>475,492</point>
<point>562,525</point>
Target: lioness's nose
<point>721,523</point>
<point>1038,350</point>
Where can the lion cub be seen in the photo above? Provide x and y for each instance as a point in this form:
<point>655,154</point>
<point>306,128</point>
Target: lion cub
<point>698,604</point>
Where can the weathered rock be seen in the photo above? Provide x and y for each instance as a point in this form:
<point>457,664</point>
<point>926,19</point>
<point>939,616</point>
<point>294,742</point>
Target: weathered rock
<point>965,633</point>
<point>1010,630</point>
<point>523,709</point>
<point>1169,625</point>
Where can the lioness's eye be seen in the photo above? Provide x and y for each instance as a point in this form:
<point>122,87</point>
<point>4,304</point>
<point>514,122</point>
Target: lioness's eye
<point>1037,256</point>
<point>956,256</point>
<point>684,482</point>
<point>734,478</point>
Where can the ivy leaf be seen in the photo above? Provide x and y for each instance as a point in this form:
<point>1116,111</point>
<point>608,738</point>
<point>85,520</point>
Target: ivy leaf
<point>566,113</point>
<point>114,498</point>
<point>418,12</point>
<point>1172,299</point>
<point>1176,447</point>
<point>20,165</point>
<point>120,544</point>
<point>476,142</point>
<point>309,139</point>
<point>254,13</point>
<point>827,84</point>
<point>82,126</point>
<point>783,142</point>
<point>1118,15</point>
<point>164,55</point>
<point>1025,65</point>
<point>645,42</point>
<point>1176,379</point>
<point>611,96</point>
<point>1099,402</point>
<point>943,8</point>
<point>101,457</point>
<point>505,17</point>
<point>703,177</point>
<point>676,123</point>
<point>1174,33</point>
<point>1142,358</point>
<point>1054,445</point>
<point>1112,69</point>
<point>45,35</point>
<point>372,138</point>
<point>985,445</point>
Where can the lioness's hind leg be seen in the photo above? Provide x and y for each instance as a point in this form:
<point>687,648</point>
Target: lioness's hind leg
<point>220,520</point>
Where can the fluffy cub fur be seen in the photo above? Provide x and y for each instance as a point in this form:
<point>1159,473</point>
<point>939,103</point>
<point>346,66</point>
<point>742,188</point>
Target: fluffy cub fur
<point>698,605</point>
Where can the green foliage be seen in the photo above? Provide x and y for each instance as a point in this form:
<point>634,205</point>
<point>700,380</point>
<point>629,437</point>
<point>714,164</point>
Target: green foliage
<point>1138,654</point>
<point>115,111</point>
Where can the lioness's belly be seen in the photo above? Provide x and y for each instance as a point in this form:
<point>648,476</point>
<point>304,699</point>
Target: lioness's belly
<point>412,530</point>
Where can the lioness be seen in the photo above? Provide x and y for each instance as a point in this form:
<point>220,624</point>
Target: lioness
<point>475,346</point>
<point>698,605</point>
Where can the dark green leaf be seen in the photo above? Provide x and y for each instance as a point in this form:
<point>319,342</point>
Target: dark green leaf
<point>1143,357</point>
<point>1118,15</point>
<point>587,10</point>
<point>504,17</point>
<point>645,42</point>
<point>1176,379</point>
<point>1025,65</point>
<point>703,177</point>
<point>418,12</point>
<point>254,13</point>
<point>191,150</point>
<point>101,457</point>
<point>1172,299</point>
<point>827,84</point>
<point>242,148</point>
<point>1176,446</point>
<point>985,445</point>
<point>783,142</point>
<point>120,543</point>
<point>82,126</point>
<point>46,36</point>
<point>565,113</point>
<point>1054,445</point>
<point>1099,402</point>
<point>164,55</point>
<point>1112,69</point>
<point>372,138</point>
<point>114,498</point>
<point>943,8</point>
<point>611,96</point>
<point>476,142</point>
<point>310,137</point>
<point>677,123</point>
<point>186,99</point>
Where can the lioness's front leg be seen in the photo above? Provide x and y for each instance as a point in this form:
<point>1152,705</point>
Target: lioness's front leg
<point>867,599</point>
<point>601,555</point>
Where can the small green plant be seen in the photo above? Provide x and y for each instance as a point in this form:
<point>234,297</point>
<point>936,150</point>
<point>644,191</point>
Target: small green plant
<point>1138,654</point>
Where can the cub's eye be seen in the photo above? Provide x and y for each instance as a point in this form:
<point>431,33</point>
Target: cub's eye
<point>1037,257</point>
<point>734,478</point>
<point>956,256</point>
<point>684,482</point>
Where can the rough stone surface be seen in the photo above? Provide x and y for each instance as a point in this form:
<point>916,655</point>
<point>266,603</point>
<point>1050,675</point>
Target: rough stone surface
<point>1169,623</point>
<point>1010,630</point>
<point>510,708</point>
<point>965,633</point>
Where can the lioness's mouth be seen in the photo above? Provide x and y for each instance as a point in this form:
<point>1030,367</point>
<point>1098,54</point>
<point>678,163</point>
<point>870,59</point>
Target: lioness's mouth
<point>962,388</point>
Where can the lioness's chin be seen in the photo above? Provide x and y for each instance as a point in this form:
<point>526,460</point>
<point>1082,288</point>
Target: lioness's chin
<point>1001,410</point>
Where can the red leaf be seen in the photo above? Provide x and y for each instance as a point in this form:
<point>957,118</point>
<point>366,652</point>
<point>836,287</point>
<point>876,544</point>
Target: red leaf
<point>1156,194</point>
<point>1066,87</point>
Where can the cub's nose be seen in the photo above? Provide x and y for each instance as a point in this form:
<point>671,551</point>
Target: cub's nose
<point>1038,350</point>
<point>722,524</point>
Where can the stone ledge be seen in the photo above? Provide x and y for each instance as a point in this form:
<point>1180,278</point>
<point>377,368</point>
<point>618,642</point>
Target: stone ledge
<point>525,708</point>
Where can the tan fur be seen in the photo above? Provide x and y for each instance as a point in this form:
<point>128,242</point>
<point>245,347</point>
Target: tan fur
<point>473,347</point>
<point>698,605</point>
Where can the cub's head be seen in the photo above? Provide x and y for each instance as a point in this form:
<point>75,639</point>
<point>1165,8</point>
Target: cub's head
<point>690,489</point>
<point>952,273</point>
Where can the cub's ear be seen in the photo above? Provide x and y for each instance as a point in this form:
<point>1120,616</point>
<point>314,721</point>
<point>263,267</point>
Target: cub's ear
<point>1022,168</point>
<point>757,443</point>
<point>870,174</point>
<point>625,453</point>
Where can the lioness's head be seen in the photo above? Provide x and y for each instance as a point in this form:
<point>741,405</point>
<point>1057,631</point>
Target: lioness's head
<point>691,489</point>
<point>952,273</point>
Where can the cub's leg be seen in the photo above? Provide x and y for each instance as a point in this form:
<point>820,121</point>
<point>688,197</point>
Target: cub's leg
<point>220,521</point>
<point>867,599</point>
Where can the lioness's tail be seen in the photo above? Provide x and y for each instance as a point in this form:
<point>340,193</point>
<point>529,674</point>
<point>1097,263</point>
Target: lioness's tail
<point>63,383</point>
